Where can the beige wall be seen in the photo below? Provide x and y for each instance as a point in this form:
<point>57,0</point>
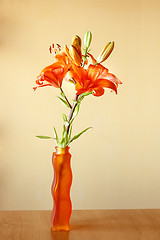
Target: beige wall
<point>117,163</point>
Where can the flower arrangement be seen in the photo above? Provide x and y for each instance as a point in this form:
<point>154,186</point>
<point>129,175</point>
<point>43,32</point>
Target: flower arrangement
<point>72,64</point>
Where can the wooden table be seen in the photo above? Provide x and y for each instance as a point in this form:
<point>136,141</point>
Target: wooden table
<point>85,225</point>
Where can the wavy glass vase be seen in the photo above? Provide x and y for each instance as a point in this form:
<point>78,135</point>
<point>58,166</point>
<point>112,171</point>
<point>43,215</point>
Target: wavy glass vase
<point>62,206</point>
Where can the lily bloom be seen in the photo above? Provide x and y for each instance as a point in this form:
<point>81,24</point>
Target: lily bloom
<point>53,74</point>
<point>94,79</point>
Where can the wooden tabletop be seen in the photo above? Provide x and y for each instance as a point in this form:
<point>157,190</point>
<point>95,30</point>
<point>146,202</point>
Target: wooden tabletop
<point>85,225</point>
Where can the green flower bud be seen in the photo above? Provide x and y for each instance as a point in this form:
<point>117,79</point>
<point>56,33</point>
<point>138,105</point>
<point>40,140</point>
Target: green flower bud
<point>87,39</point>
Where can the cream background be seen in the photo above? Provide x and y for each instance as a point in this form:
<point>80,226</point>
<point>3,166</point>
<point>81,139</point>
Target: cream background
<point>117,163</point>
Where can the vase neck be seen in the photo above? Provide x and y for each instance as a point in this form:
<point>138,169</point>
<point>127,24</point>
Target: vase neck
<point>60,150</point>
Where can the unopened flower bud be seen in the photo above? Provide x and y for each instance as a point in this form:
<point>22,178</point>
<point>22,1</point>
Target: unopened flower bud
<point>87,39</point>
<point>105,52</point>
<point>76,40</point>
<point>77,58</point>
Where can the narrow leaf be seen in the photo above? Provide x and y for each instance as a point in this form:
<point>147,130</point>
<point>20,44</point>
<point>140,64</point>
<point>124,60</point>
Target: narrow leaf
<point>55,134</point>
<point>78,135</point>
<point>64,138</point>
<point>81,97</point>
<point>64,102</point>
<point>45,137</point>
<point>70,131</point>
<point>76,110</point>
<point>70,122</point>
<point>76,101</point>
<point>64,117</point>
<point>86,93</point>
<point>64,132</point>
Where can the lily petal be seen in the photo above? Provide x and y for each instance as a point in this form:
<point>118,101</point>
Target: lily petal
<point>105,83</point>
<point>52,66</point>
<point>113,78</point>
<point>34,88</point>
<point>93,72</point>
<point>98,92</point>
<point>81,73</point>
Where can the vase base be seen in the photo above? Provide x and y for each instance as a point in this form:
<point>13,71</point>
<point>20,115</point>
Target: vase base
<point>60,228</point>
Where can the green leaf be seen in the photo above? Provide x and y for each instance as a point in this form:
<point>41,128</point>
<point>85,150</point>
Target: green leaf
<point>81,97</point>
<point>75,101</point>
<point>64,102</point>
<point>70,122</point>
<point>86,93</point>
<point>55,134</point>
<point>70,131</point>
<point>75,113</point>
<point>78,135</point>
<point>76,110</point>
<point>45,137</point>
<point>64,138</point>
<point>64,132</point>
<point>64,117</point>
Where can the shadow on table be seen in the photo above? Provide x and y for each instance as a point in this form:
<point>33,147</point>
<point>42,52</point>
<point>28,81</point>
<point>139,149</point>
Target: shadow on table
<point>61,235</point>
<point>86,226</point>
<point>114,223</point>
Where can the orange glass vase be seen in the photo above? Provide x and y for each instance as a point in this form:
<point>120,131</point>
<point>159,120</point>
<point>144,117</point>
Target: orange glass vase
<point>62,206</point>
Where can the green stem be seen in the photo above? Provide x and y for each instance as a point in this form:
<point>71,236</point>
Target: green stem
<point>65,98</point>
<point>71,112</point>
<point>85,54</point>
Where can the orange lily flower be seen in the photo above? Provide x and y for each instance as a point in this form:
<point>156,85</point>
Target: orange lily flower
<point>94,79</point>
<point>53,74</point>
